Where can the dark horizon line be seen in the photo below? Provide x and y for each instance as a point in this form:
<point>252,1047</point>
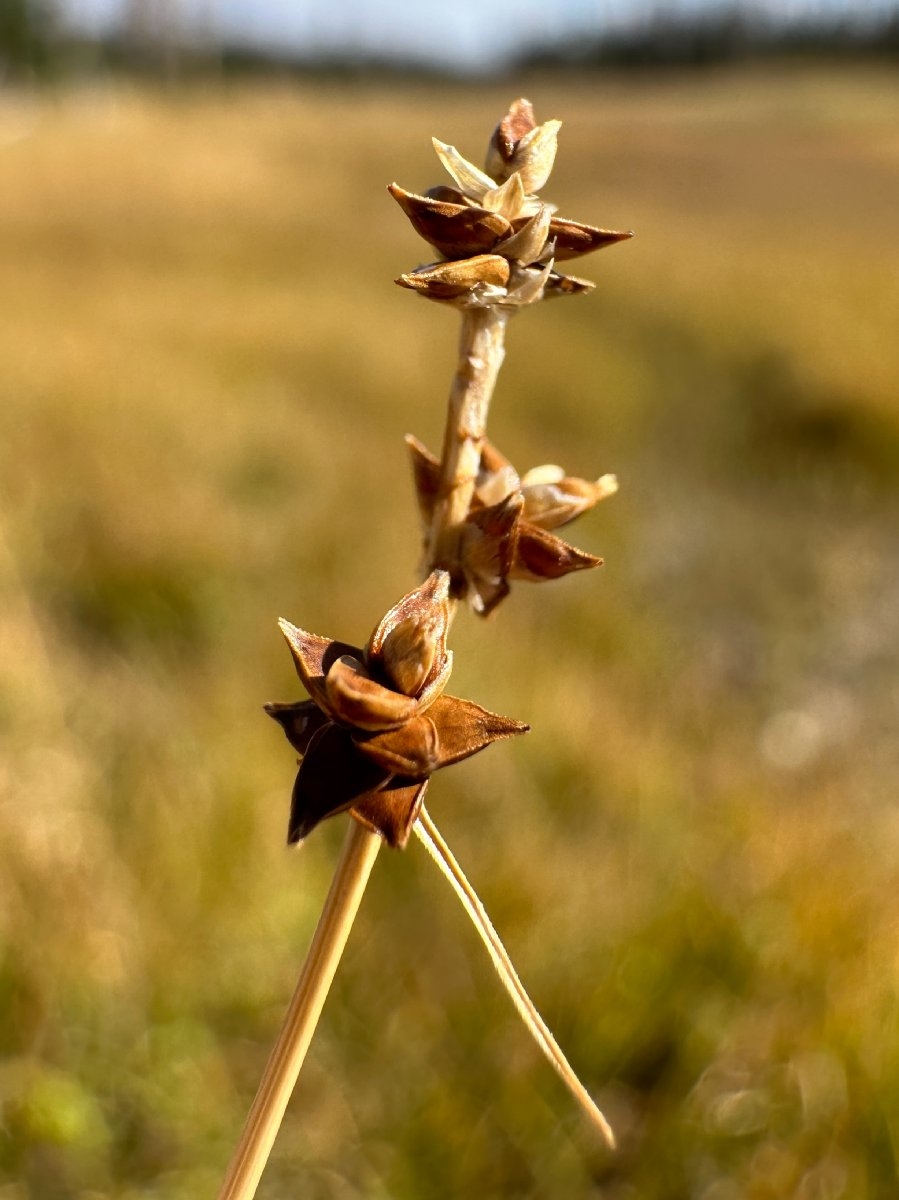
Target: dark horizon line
<point>726,34</point>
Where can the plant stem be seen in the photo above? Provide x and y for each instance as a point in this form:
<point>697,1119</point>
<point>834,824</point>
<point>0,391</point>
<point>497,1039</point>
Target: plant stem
<point>430,836</point>
<point>347,887</point>
<point>481,353</point>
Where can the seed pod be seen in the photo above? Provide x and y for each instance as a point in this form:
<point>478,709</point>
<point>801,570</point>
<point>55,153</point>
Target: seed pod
<point>357,700</point>
<point>454,229</point>
<point>573,238</point>
<point>453,280</point>
<point>408,653</point>
<point>517,122</point>
<point>542,555</point>
<point>367,747</point>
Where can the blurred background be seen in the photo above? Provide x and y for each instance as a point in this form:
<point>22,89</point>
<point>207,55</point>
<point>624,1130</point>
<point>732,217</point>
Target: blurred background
<point>206,375</point>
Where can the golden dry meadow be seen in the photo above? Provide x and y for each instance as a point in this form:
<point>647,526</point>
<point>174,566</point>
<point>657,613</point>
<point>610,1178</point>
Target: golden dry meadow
<point>205,375</point>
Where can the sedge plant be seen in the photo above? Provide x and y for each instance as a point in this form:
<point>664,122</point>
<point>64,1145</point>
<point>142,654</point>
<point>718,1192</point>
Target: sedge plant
<point>378,721</point>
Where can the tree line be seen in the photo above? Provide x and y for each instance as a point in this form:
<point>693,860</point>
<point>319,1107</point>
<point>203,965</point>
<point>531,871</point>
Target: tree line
<point>151,38</point>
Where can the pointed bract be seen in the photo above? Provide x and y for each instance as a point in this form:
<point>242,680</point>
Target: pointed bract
<point>484,273</point>
<point>456,230</point>
<point>535,155</point>
<point>426,477</point>
<point>507,199</point>
<point>543,555</point>
<point>300,721</point>
<point>464,728</point>
<point>530,285</point>
<point>572,238</point>
<point>554,500</point>
<point>529,241</point>
<point>392,811</point>
<point>487,551</point>
<point>412,750</point>
<point>566,285</point>
<point>312,657</point>
<point>331,779</point>
<point>470,180</point>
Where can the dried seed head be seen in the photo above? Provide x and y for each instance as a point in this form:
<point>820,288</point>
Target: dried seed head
<point>496,214</point>
<point>378,724</point>
<point>507,532</point>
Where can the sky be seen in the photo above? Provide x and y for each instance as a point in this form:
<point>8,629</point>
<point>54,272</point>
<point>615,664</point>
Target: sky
<point>469,34</point>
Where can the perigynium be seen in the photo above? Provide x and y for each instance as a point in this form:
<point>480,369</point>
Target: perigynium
<point>378,721</point>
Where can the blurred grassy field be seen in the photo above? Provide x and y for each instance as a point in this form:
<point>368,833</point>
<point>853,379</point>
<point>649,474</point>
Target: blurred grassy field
<point>206,375</point>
